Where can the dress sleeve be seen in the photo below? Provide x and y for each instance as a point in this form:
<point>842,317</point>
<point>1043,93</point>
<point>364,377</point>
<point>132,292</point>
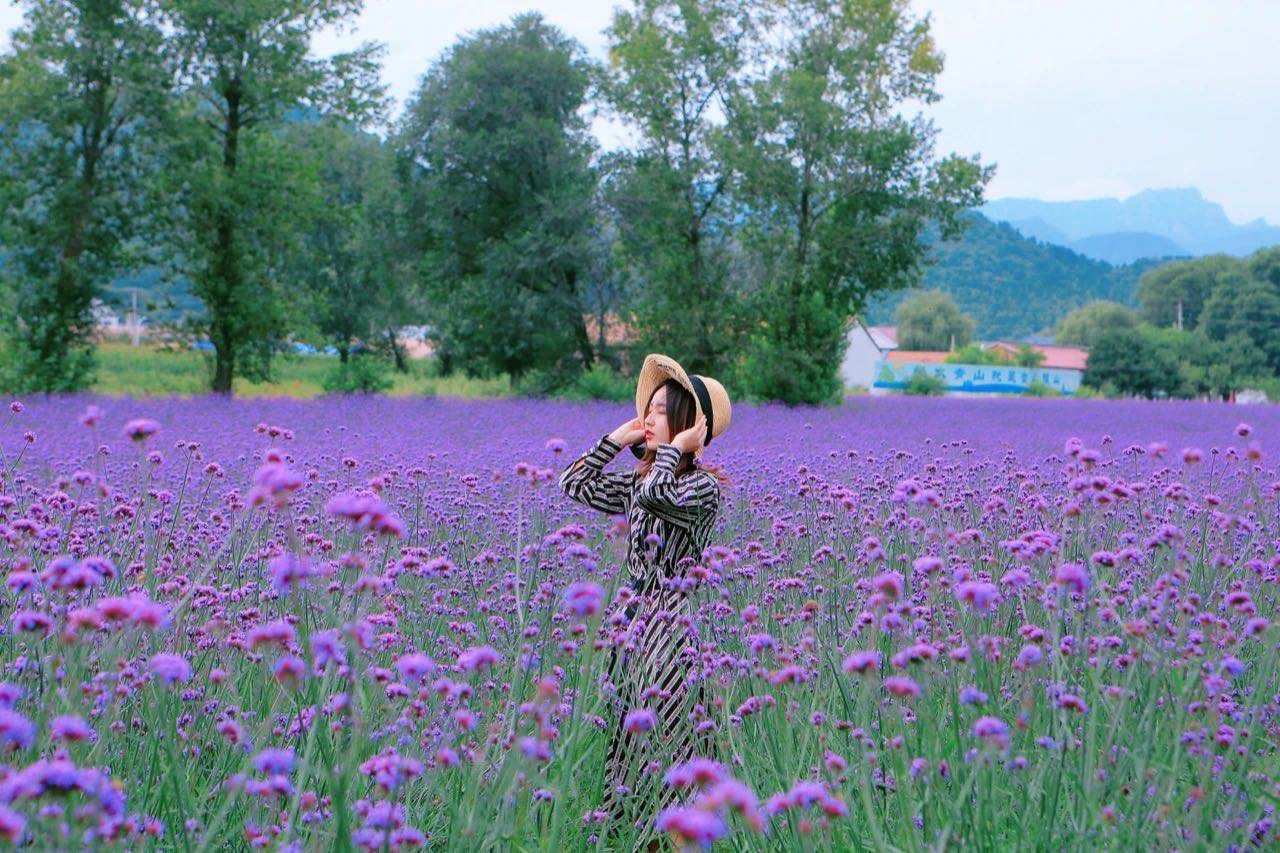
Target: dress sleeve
<point>587,483</point>
<point>680,502</point>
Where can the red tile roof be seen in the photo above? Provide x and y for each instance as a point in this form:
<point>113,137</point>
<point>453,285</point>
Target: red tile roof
<point>1060,357</point>
<point>889,333</point>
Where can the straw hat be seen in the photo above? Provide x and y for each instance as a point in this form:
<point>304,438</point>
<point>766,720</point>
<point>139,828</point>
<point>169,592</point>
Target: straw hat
<point>709,396</point>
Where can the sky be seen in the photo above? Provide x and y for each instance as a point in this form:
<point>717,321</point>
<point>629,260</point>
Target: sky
<point>1070,99</point>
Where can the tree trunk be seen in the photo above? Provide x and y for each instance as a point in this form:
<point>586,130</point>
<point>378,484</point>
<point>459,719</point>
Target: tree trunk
<point>226,267</point>
<point>397,352</point>
<point>223,361</point>
<point>580,325</point>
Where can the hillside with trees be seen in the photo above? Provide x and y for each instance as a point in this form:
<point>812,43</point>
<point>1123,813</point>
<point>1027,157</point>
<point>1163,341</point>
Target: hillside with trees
<point>1014,286</point>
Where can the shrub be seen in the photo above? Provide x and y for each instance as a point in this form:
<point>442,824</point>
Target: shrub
<point>1088,392</point>
<point>1041,389</point>
<point>925,385</point>
<point>543,382</point>
<point>361,374</point>
<point>974,354</point>
<point>602,382</point>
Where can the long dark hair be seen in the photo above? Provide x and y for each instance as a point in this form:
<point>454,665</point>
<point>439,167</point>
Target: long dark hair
<point>682,411</point>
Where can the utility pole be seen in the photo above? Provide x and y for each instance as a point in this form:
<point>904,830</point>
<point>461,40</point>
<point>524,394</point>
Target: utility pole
<point>1179,315</point>
<point>133,316</point>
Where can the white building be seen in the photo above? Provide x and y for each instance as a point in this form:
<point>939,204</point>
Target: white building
<point>867,346</point>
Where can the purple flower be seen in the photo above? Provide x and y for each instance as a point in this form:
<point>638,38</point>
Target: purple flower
<point>16,731</point>
<point>982,596</point>
<point>477,657</point>
<point>639,720</point>
<point>326,646</point>
<point>861,662</point>
<point>272,762</point>
<point>273,482</point>
<point>584,597</point>
<point>1028,657</point>
<point>992,729</point>
<point>170,667</point>
<point>689,825</point>
<point>368,512</point>
<point>70,728</point>
<point>289,669</point>
<point>695,771</point>
<point>901,686</point>
<point>1073,576</point>
<point>288,570</point>
<point>414,666</point>
<point>140,429</point>
<point>11,825</point>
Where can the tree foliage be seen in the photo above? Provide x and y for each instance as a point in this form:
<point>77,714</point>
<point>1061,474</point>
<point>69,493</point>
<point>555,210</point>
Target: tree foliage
<point>1149,361</point>
<point>80,94</point>
<point>353,269</point>
<point>837,184</point>
<point>1181,284</point>
<point>931,320</point>
<point>503,159</point>
<point>673,65</point>
<point>243,68</point>
<point>1083,326</point>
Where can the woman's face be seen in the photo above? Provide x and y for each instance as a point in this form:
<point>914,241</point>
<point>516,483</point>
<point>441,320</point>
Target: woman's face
<point>655,420</point>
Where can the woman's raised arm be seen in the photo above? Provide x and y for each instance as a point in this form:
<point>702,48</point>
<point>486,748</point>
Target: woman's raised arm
<point>681,502</point>
<point>587,483</point>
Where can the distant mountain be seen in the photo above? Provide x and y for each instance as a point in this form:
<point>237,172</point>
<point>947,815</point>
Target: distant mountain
<point>1037,229</point>
<point>1123,247</point>
<point>1012,286</point>
<point>1191,224</point>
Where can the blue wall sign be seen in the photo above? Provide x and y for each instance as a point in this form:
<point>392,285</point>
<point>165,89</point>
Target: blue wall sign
<point>978,378</point>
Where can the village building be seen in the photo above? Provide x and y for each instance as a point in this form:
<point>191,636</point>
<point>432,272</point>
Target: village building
<point>1061,369</point>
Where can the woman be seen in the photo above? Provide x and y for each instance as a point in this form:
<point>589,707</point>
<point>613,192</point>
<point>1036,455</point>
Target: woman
<point>671,501</point>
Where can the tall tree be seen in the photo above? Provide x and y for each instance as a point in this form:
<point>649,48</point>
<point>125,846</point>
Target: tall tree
<point>931,320</point>
<point>1173,294</point>
<point>354,273</point>
<point>244,66</point>
<point>503,154</point>
<point>79,95</point>
<point>839,184</point>
<point>672,67</point>
<point>1083,325</point>
<point>1241,305</point>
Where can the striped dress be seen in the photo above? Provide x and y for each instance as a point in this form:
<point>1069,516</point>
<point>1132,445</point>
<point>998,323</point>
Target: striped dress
<point>656,665</point>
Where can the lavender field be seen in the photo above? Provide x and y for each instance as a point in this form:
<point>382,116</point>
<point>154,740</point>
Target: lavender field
<point>378,624</point>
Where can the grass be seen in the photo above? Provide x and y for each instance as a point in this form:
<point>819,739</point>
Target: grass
<point>154,370</point>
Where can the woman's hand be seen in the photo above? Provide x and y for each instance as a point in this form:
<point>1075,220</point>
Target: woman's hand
<point>690,440</point>
<point>629,433</point>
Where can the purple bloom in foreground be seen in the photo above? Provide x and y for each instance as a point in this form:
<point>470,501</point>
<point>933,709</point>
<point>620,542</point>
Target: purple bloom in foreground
<point>478,657</point>
<point>861,662</point>
<point>69,727</point>
<point>140,429</point>
<point>584,597</point>
<point>272,762</point>
<point>1073,576</point>
<point>170,667</point>
<point>992,729</point>
<point>16,731</point>
<point>691,825</point>
<point>415,665</point>
<point>639,720</point>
